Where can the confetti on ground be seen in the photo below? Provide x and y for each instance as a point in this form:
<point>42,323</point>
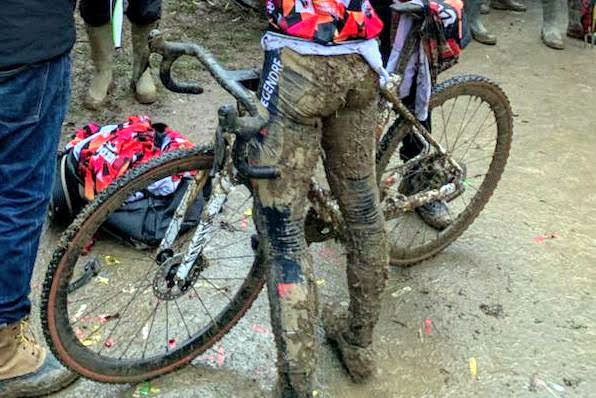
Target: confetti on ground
<point>320,282</point>
<point>103,281</point>
<point>221,356</point>
<point>145,331</point>
<point>402,291</point>
<point>111,260</point>
<point>315,393</point>
<point>172,343</point>
<point>130,290</point>
<point>89,246</point>
<point>473,367</point>
<point>261,329</point>
<point>537,383</point>
<point>389,181</point>
<point>427,326</point>
<point>248,212</point>
<point>244,224</point>
<point>542,238</point>
<point>80,311</point>
<point>98,319</point>
<point>147,389</point>
<point>91,340</point>
<point>557,387</point>
<point>79,334</point>
<point>109,343</point>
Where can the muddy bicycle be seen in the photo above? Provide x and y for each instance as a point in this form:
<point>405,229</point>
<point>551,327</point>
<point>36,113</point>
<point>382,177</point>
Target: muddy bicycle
<point>127,316</point>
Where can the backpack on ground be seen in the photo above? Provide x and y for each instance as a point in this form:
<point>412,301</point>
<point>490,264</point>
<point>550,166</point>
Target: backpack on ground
<point>97,155</point>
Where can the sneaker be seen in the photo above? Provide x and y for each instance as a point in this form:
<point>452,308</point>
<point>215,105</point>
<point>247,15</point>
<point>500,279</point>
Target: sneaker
<point>358,361</point>
<point>26,368</point>
<point>435,214</point>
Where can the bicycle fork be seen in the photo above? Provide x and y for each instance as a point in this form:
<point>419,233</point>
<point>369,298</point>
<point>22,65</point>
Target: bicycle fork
<point>222,187</point>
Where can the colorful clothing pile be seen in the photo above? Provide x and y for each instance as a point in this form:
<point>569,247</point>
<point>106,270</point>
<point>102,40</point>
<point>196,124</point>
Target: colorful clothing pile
<point>106,153</point>
<point>439,49</point>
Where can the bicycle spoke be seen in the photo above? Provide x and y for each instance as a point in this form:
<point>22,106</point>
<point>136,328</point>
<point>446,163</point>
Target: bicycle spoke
<point>466,126</point>
<point>476,135</point>
<point>242,240</point>
<point>182,317</point>
<point>204,307</point>
<point>150,328</point>
<point>143,323</point>
<point>119,318</point>
<point>86,314</point>
<point>216,287</point>
<point>167,329</point>
<point>460,130</point>
<point>233,257</point>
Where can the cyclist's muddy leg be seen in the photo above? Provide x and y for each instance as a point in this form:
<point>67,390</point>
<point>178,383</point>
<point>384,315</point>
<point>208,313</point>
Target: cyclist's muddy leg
<point>279,215</point>
<point>350,165</point>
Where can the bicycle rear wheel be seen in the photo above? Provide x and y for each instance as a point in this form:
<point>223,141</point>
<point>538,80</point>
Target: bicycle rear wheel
<point>472,119</point>
<point>110,315</point>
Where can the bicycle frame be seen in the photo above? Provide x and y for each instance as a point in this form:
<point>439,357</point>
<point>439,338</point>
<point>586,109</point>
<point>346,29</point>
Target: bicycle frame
<point>222,174</point>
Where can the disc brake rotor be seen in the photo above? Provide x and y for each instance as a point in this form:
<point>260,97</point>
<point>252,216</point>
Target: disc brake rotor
<point>165,285</point>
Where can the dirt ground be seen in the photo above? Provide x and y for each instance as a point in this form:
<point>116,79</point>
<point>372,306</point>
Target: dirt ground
<point>516,293</point>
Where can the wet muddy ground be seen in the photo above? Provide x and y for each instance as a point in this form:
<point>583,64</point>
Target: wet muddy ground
<point>513,300</point>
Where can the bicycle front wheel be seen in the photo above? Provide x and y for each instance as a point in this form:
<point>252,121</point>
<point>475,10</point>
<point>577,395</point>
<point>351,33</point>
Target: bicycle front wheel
<point>472,119</point>
<point>113,315</point>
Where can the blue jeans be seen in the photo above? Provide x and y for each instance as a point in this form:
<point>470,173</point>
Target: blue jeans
<point>33,103</point>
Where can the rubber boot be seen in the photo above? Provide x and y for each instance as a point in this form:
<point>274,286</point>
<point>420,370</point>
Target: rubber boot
<point>511,5</point>
<point>142,81</point>
<point>26,368</point>
<point>479,32</point>
<point>551,36</point>
<point>100,40</point>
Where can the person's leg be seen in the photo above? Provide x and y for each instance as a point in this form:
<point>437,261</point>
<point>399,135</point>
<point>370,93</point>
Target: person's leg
<point>34,104</point>
<point>350,165</point>
<point>96,15</point>
<point>477,28</point>
<point>575,28</point>
<point>382,9</point>
<point>144,16</point>
<point>512,5</point>
<point>551,35</point>
<point>291,142</point>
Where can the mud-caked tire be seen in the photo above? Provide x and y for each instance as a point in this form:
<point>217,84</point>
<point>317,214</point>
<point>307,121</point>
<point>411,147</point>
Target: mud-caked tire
<point>56,324</point>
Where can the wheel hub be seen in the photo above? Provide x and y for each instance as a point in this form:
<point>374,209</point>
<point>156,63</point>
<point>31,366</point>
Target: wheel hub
<point>165,285</point>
